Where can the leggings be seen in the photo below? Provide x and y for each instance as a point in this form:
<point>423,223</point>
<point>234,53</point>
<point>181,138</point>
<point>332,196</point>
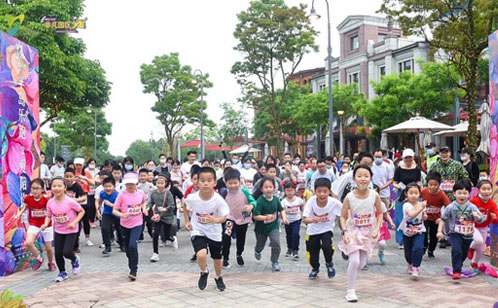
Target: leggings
<point>130,237</point>
<point>357,261</point>
<point>91,210</point>
<point>158,226</point>
<point>479,243</point>
<point>64,244</point>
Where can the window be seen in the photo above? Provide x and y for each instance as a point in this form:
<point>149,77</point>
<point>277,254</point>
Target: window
<point>380,37</point>
<point>405,66</point>
<point>321,87</point>
<point>355,42</point>
<point>354,78</point>
<point>382,71</point>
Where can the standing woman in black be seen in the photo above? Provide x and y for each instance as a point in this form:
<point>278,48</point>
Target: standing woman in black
<point>467,159</point>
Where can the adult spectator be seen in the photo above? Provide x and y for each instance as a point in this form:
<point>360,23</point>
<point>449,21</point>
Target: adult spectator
<point>321,172</point>
<point>467,159</point>
<point>432,156</point>
<point>450,170</point>
<point>191,160</point>
<point>58,168</point>
<point>44,171</point>
<point>247,174</point>
<point>163,167</point>
<point>383,175</point>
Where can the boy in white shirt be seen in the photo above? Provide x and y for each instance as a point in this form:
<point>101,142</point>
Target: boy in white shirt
<point>208,211</point>
<point>319,214</point>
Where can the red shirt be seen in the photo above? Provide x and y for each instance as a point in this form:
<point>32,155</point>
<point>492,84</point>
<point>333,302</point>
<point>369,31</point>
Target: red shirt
<point>84,184</point>
<point>189,190</point>
<point>434,203</point>
<point>37,210</point>
<point>486,208</point>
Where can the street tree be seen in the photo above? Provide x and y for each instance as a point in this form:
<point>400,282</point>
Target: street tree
<point>233,124</point>
<point>273,39</point>
<point>459,28</point>
<point>177,93</point>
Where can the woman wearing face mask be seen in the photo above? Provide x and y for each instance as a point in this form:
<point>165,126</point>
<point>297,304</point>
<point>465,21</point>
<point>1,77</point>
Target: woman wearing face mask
<point>466,156</point>
<point>247,174</point>
<point>344,168</point>
<point>271,160</point>
<point>150,165</point>
<point>128,165</point>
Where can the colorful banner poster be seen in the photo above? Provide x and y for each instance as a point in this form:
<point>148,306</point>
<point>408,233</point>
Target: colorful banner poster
<point>493,100</point>
<point>20,147</point>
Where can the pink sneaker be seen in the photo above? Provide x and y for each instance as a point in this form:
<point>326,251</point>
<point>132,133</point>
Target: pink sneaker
<point>409,270</point>
<point>51,266</point>
<point>415,273</point>
<point>38,263</point>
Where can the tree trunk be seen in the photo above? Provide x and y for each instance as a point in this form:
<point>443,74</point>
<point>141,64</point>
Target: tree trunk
<point>171,145</point>
<point>471,96</point>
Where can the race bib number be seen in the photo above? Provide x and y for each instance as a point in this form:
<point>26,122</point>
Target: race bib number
<point>432,209</point>
<point>39,213</point>
<point>134,210</point>
<point>61,218</point>
<point>203,218</point>
<point>413,229</point>
<point>272,219</point>
<point>364,220</point>
<point>292,210</point>
<point>322,218</point>
<point>466,228</point>
<point>447,185</point>
<point>246,214</point>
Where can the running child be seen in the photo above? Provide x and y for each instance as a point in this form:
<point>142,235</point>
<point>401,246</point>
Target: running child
<point>36,203</point>
<point>129,207</point>
<point>488,208</point>
<point>66,214</point>
<point>110,221</point>
<point>208,211</point>
<point>361,229</point>
<point>461,216</point>
<point>293,207</point>
<point>161,205</point>
<point>75,191</point>
<point>436,200</point>
<point>240,203</point>
<point>319,214</point>
<point>265,213</point>
<point>271,173</point>
<point>146,187</point>
<point>413,228</point>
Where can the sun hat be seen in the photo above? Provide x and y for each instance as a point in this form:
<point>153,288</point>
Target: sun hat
<point>79,161</point>
<point>130,178</point>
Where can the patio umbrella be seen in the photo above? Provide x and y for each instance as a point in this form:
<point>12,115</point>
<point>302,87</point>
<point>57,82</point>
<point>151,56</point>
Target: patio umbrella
<point>459,130</point>
<point>417,125</point>
<point>484,128</point>
<point>243,149</point>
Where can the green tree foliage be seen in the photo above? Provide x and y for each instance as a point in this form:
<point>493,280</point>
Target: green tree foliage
<point>142,151</point>
<point>400,97</point>
<point>177,94</point>
<point>77,131</point>
<point>233,123</point>
<point>272,39</point>
<point>68,81</point>
<point>211,134</point>
<point>458,27</point>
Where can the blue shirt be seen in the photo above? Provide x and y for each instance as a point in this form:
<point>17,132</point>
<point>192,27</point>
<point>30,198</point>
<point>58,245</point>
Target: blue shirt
<point>111,198</point>
<point>329,174</point>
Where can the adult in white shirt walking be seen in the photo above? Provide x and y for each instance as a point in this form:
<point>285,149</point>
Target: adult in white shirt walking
<point>191,156</point>
<point>383,175</point>
<point>321,172</point>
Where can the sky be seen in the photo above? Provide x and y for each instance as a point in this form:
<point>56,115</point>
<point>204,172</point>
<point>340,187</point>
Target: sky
<point>122,35</point>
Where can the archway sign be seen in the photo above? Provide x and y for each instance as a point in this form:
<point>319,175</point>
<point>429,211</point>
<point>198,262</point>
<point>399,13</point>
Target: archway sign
<point>20,147</point>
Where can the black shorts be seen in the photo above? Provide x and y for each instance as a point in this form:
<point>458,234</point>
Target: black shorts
<point>201,242</point>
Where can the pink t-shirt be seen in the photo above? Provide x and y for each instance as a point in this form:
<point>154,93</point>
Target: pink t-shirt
<point>130,203</point>
<point>63,213</point>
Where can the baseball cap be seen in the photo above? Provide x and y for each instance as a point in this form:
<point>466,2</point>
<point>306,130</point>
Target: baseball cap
<point>431,145</point>
<point>408,153</point>
<point>444,148</point>
<point>79,161</point>
<point>130,178</point>
<point>467,150</point>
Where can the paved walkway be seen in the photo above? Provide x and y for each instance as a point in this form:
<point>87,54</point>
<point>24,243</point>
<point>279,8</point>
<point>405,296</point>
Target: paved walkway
<point>172,282</point>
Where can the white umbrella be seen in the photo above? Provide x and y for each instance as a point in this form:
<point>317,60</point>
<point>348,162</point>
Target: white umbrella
<point>417,125</point>
<point>243,149</point>
<point>484,127</point>
<point>459,130</point>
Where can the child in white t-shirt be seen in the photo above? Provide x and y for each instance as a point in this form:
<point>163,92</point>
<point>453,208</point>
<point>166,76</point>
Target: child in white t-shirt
<point>206,211</point>
<point>319,214</point>
<point>293,207</point>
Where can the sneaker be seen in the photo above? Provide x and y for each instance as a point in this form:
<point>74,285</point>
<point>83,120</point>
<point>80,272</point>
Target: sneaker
<point>330,270</point>
<point>457,276</point>
<point>132,276</point>
<point>92,225</point>
<point>365,268</point>
<point>166,244</point>
<point>88,242</point>
<point>400,246</point>
<point>122,249</point>
<point>275,267</point>
<point>226,264</point>
<point>114,243</point>
<point>106,253</point>
<point>288,253</point>
<point>38,263</point>
<point>431,254</point>
<point>295,255</point>
<point>415,273</point>
<point>313,274</point>
<point>154,258</point>
<point>203,280</point>
<point>194,258</point>
<point>220,285</point>
<point>382,257</point>
<point>175,243</point>
<point>240,261</point>
<point>351,296</point>
<point>76,266</point>
<point>344,256</point>
<point>61,277</point>
<point>474,265</point>
<point>77,250</point>
<point>257,255</point>
<point>409,270</point>
<point>470,254</point>
<point>102,246</point>
<point>51,266</point>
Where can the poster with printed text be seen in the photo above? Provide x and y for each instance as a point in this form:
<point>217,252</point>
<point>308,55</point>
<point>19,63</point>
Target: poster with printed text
<point>20,136</point>
<point>493,100</point>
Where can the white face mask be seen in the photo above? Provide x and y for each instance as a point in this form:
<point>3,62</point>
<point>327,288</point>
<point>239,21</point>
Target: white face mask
<point>91,166</point>
<point>483,198</point>
<point>162,161</point>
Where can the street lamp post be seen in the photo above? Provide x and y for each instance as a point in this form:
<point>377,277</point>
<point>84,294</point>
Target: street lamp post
<point>202,114</point>
<point>341,139</point>
<point>329,66</point>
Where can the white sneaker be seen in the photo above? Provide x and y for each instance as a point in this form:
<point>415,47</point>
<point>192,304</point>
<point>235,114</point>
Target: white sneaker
<point>115,243</point>
<point>166,244</point>
<point>154,258</point>
<point>102,246</point>
<point>161,244</point>
<point>175,243</point>
<point>351,296</point>
<point>89,243</point>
